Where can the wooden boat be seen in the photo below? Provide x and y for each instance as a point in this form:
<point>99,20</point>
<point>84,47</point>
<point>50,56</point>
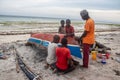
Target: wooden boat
<point>45,39</point>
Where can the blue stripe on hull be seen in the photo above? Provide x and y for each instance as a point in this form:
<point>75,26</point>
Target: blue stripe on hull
<point>38,41</point>
<point>34,40</point>
<point>75,50</point>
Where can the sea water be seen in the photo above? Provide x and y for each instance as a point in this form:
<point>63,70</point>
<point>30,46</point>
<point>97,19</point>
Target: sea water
<point>6,18</point>
<point>28,23</point>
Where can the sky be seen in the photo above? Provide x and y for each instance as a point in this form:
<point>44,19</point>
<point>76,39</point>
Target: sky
<point>99,10</point>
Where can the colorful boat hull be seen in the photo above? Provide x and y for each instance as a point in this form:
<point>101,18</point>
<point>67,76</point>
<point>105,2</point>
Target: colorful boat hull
<point>45,39</point>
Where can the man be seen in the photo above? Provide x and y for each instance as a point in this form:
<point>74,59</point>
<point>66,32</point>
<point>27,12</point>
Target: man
<point>69,29</point>
<point>51,57</point>
<point>87,37</point>
<point>62,28</point>
<point>64,61</point>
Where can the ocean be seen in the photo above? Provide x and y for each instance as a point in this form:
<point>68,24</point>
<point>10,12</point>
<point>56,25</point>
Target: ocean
<point>43,24</point>
<point>7,18</point>
<point>21,24</point>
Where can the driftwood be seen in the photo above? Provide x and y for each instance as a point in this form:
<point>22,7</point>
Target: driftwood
<point>28,72</point>
<point>102,46</point>
<point>99,47</point>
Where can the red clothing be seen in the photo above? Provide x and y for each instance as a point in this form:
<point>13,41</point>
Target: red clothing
<point>69,30</point>
<point>62,54</point>
<point>86,51</point>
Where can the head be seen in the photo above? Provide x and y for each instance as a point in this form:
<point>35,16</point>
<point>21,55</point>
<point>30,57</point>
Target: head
<point>64,42</point>
<point>84,14</point>
<point>62,22</point>
<point>68,22</point>
<point>56,39</point>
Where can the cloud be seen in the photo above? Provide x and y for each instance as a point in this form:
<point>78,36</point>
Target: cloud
<point>106,10</point>
<point>105,15</point>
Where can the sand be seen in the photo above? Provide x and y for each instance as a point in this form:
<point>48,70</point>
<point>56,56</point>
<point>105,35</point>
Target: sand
<point>35,59</point>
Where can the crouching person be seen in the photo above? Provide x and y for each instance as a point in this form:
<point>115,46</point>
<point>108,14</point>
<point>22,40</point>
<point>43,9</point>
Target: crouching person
<point>51,57</point>
<point>64,63</point>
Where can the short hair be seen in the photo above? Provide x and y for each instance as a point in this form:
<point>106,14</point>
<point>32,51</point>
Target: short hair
<point>56,38</point>
<point>62,21</point>
<point>64,41</point>
<point>84,13</point>
<point>68,20</point>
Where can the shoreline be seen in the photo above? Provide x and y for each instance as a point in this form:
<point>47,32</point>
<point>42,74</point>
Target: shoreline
<point>31,32</point>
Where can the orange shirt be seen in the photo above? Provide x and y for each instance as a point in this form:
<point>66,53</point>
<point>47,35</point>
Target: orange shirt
<point>89,27</point>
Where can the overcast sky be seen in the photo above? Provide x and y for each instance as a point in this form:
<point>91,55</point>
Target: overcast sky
<point>100,10</point>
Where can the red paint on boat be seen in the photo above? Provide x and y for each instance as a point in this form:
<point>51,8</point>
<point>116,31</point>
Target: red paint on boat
<point>49,37</point>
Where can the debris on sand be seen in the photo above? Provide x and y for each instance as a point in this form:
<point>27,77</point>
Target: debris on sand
<point>2,56</point>
<point>117,72</point>
<point>34,57</point>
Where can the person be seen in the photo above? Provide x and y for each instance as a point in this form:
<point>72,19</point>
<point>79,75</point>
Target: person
<point>64,61</point>
<point>87,37</point>
<point>51,57</point>
<point>62,28</point>
<point>69,30</point>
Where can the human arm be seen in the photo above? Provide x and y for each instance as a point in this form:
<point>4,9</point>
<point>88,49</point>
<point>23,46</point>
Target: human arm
<point>70,60</point>
<point>59,30</point>
<point>83,35</point>
<point>86,30</point>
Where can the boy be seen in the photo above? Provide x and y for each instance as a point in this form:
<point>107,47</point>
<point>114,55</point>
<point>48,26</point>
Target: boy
<point>62,28</point>
<point>64,62</point>
<point>69,30</point>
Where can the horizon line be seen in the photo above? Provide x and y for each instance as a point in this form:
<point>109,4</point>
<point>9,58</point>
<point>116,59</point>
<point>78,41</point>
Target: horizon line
<point>98,21</point>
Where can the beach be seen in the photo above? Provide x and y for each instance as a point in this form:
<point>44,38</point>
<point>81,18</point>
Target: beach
<point>28,26</point>
<point>17,33</point>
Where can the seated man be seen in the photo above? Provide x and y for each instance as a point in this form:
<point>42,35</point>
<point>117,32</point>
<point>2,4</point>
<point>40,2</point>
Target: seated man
<point>51,57</point>
<point>69,30</point>
<point>64,61</point>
